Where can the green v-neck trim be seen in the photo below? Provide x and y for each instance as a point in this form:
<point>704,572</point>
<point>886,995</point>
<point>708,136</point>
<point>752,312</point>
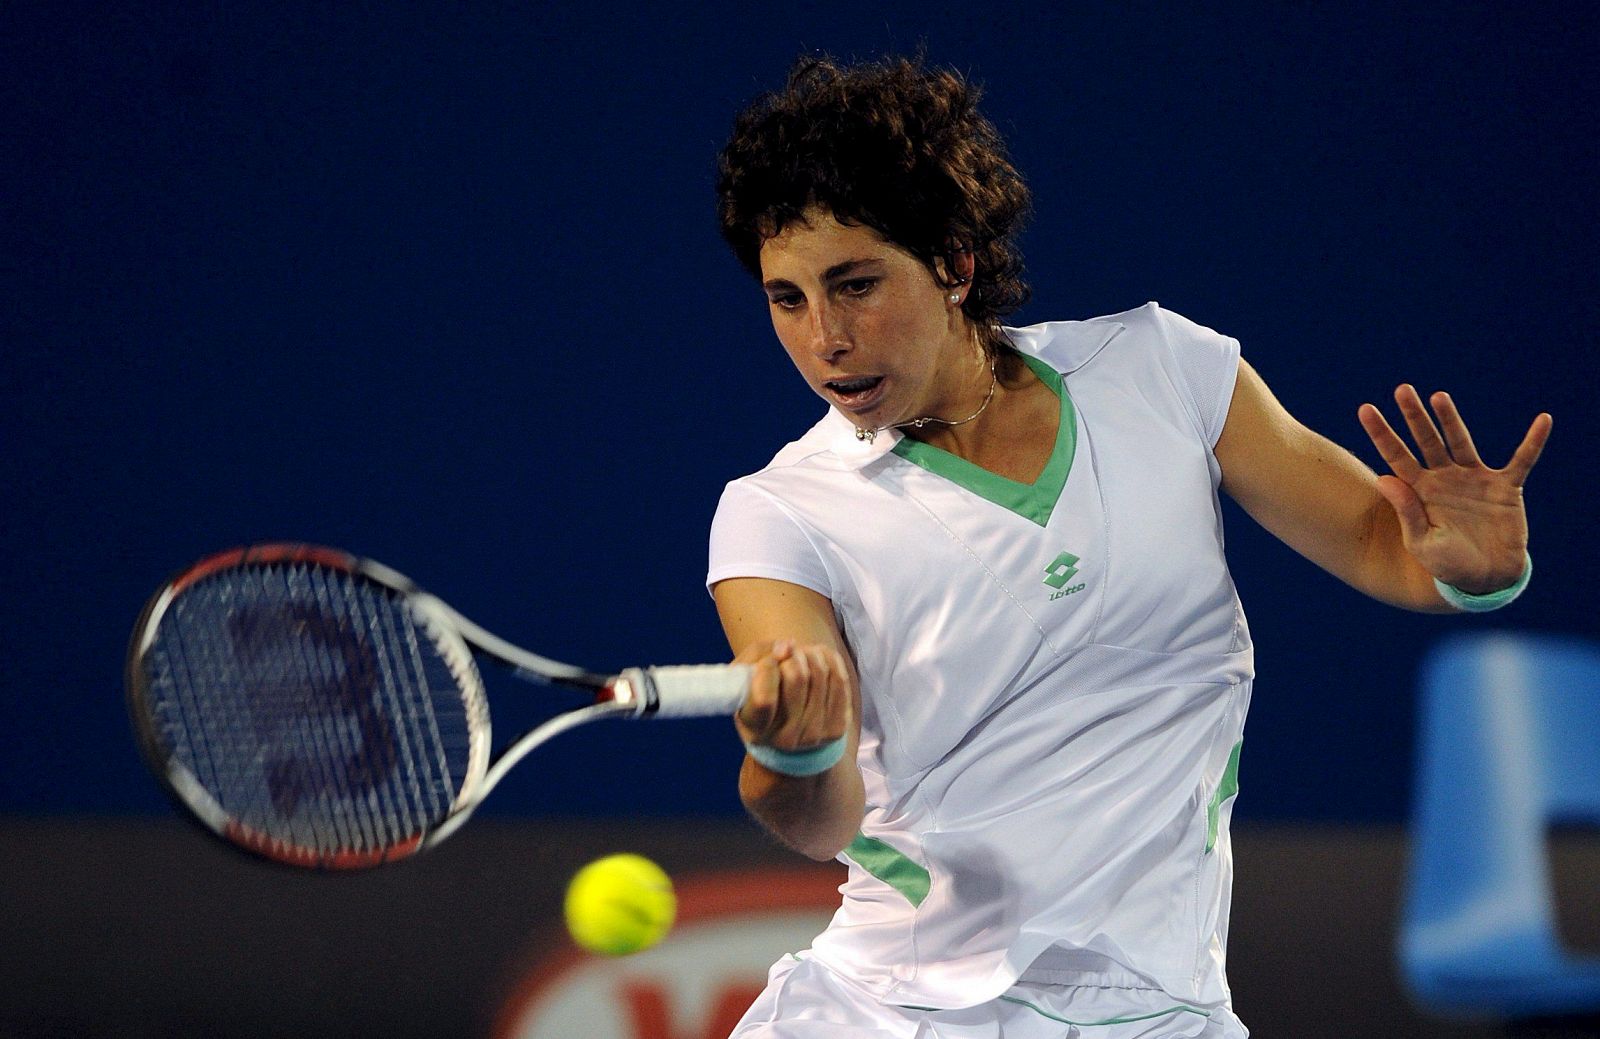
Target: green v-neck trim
<point>1032,501</point>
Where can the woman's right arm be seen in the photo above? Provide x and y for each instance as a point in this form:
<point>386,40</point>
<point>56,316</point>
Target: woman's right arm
<point>804,693</point>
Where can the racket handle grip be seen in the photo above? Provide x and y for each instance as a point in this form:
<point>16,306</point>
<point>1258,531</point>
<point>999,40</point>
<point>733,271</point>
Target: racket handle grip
<point>690,690</point>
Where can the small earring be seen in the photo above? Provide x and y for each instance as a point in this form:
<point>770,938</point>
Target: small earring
<point>955,297</point>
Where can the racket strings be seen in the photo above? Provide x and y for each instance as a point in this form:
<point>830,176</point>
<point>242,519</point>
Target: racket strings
<point>307,704</point>
<point>425,761</point>
<point>381,812</point>
<point>364,746</point>
<point>196,718</point>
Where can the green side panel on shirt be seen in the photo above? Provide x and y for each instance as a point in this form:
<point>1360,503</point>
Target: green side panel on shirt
<point>1226,789</point>
<point>1032,501</point>
<point>891,867</point>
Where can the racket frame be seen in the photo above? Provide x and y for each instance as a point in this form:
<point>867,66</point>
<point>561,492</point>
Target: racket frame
<point>632,693</point>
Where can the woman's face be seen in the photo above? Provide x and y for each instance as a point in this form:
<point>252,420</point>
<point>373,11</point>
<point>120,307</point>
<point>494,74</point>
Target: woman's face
<point>864,320</point>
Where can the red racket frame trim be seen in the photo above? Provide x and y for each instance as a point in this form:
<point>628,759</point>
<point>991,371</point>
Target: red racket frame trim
<point>271,552</point>
<point>293,855</point>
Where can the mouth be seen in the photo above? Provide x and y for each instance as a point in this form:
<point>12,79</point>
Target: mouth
<point>855,393</point>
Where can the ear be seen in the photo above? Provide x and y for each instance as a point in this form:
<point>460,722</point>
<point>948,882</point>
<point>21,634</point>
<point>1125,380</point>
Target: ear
<point>957,265</point>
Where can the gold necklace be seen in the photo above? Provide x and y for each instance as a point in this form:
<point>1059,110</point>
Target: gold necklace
<point>917,423</point>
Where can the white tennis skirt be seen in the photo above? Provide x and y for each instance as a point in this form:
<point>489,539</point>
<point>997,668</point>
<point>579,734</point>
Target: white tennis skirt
<point>805,1000</point>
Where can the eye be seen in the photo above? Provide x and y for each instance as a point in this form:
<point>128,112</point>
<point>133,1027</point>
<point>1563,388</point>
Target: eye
<point>787,300</point>
<point>858,286</point>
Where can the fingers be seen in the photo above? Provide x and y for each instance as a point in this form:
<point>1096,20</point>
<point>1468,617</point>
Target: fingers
<point>798,700</point>
<point>1407,506</point>
<point>1453,447</point>
<point>1529,450</point>
<point>1423,432</point>
<point>799,696</point>
<point>813,710</point>
<point>757,717</point>
<point>1456,436</point>
<point>1390,447</point>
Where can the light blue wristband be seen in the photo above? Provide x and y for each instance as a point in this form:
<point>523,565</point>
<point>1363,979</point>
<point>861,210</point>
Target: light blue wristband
<point>798,762</point>
<point>1491,601</point>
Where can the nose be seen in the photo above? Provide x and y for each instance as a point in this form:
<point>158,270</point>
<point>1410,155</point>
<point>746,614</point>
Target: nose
<point>829,336</point>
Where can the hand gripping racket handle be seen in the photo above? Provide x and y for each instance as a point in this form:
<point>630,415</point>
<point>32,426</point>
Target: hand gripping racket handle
<point>690,690</point>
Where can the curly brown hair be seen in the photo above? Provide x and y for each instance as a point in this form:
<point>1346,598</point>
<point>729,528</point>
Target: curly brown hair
<point>893,145</point>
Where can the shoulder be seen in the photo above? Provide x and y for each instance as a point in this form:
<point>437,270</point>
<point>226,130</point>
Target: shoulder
<point>1175,364</point>
<point>817,448</point>
<point>796,471</point>
<point>811,447</point>
<point>829,453</point>
<point>1069,345</point>
<point>764,525</point>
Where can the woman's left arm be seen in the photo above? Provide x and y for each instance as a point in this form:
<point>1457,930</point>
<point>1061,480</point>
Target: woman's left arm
<point>1448,516</point>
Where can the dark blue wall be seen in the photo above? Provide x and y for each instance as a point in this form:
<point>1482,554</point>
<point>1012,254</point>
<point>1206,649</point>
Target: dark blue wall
<point>445,289</point>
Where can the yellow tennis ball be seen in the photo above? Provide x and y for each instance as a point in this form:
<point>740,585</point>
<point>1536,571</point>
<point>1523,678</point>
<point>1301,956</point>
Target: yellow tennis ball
<point>620,904</point>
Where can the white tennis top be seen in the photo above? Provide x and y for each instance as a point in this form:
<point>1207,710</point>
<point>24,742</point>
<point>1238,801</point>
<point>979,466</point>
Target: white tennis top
<point>1054,677</point>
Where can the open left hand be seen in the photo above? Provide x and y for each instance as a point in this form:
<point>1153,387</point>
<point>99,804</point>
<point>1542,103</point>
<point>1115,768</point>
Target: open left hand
<point>1463,521</point>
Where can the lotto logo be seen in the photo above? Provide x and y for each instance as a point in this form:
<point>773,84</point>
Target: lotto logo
<point>1061,570</point>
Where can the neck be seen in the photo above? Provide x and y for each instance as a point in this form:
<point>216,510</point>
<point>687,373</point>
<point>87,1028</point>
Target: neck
<point>985,382</point>
<point>944,419</point>
<point>987,432</point>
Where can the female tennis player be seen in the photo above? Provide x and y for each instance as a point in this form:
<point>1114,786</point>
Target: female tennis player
<point>1001,669</point>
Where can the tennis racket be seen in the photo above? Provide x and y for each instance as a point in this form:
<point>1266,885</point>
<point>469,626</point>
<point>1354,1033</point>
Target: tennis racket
<point>321,710</point>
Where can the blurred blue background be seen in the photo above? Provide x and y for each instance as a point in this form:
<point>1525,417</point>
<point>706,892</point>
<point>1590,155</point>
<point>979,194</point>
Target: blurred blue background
<point>441,285</point>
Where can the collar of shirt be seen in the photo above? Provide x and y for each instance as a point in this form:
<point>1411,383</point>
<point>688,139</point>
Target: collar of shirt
<point>1075,341</point>
<point>840,437</point>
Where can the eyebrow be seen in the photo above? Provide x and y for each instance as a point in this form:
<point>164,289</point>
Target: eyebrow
<point>838,270</point>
